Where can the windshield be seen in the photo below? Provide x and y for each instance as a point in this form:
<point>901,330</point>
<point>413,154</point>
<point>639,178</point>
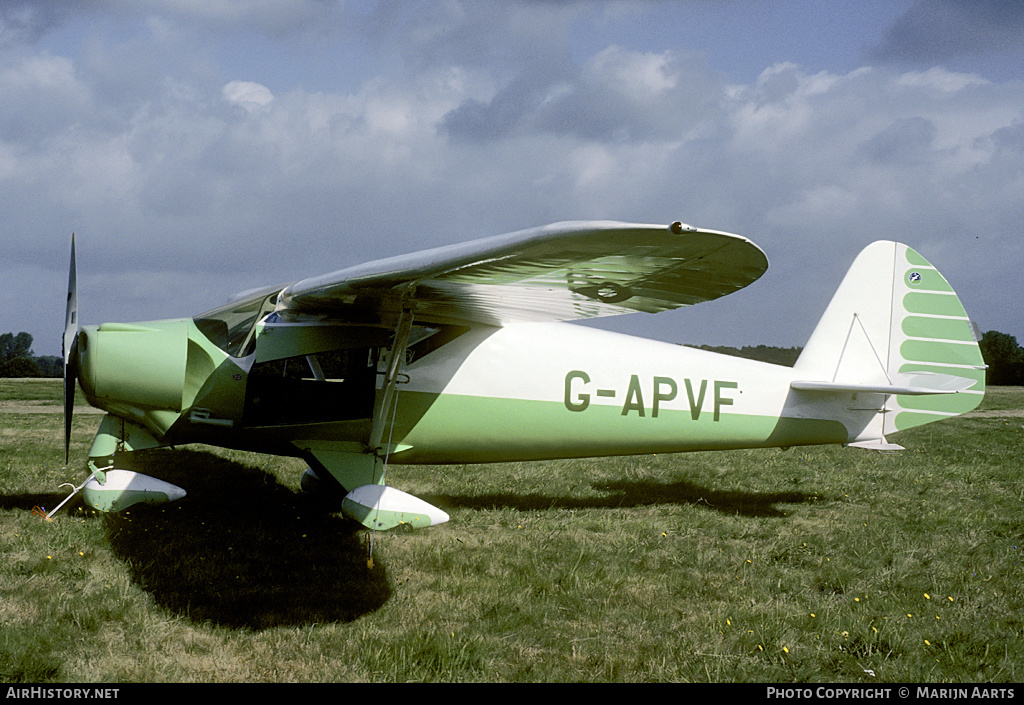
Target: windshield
<point>231,326</point>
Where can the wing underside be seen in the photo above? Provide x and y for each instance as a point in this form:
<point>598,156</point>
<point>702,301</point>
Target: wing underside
<point>566,271</point>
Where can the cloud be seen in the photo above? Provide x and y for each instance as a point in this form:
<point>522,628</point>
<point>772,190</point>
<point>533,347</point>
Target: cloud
<point>618,94</point>
<point>940,30</point>
<point>26,21</point>
<point>271,18</point>
<point>40,92</point>
<point>249,95</point>
<point>206,178</point>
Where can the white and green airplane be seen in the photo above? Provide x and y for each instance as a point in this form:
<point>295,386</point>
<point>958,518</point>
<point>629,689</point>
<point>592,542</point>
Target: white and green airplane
<point>463,354</point>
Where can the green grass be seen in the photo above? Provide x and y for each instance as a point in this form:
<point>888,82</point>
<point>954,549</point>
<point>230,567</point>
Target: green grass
<point>817,564</point>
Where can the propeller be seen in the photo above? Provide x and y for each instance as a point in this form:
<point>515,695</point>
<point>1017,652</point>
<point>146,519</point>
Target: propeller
<point>106,489</point>
<point>70,349</point>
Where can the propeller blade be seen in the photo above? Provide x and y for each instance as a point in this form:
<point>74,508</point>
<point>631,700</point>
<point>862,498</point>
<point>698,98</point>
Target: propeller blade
<point>70,349</point>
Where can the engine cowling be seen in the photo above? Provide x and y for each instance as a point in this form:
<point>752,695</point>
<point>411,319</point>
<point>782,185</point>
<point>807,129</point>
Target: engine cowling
<point>139,364</point>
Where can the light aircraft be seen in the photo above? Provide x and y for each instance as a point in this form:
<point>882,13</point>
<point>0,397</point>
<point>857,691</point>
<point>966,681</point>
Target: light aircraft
<point>464,354</point>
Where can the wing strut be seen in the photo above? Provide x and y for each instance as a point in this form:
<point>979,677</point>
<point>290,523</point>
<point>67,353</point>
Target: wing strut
<point>369,501</point>
<point>375,505</point>
<point>381,417</point>
<point>395,360</point>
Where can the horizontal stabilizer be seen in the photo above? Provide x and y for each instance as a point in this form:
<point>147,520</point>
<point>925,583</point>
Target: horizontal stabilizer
<point>914,384</point>
<point>382,507</point>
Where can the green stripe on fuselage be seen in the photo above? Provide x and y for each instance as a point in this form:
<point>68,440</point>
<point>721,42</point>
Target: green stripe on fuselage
<point>454,428</point>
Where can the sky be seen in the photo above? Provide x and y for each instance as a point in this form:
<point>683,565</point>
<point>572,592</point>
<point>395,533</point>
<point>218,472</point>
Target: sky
<point>199,148</point>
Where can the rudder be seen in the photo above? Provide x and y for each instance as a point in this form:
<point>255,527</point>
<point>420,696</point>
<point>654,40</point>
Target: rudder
<point>935,337</point>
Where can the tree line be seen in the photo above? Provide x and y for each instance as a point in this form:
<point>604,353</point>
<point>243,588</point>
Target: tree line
<point>18,360</point>
<point>1004,357</point>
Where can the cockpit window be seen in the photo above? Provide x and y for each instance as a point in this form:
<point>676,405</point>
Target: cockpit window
<point>231,327</point>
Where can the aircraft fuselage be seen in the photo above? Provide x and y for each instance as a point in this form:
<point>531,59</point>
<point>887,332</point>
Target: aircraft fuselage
<point>519,392</point>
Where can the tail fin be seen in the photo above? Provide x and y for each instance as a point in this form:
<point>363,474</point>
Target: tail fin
<point>894,328</point>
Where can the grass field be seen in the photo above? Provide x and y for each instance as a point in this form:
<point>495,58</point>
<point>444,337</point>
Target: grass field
<point>813,564</point>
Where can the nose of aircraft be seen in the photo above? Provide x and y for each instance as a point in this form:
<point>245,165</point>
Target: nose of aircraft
<point>140,364</point>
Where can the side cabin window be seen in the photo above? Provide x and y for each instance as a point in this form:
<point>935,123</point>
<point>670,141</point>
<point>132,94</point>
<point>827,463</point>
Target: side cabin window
<point>331,386</point>
<point>337,385</point>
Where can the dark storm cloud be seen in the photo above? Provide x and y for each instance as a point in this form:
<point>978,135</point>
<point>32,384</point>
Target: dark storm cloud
<point>25,21</point>
<point>907,141</point>
<point>941,30</point>
<point>617,95</point>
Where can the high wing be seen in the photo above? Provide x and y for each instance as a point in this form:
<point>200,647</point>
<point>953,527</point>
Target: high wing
<point>565,271</point>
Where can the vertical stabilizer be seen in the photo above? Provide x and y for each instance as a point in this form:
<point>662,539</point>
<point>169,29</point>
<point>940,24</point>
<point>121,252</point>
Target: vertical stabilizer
<point>896,335</point>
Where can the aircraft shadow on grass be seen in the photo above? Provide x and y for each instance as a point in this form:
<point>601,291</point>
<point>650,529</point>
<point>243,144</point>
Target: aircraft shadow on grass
<point>240,550</point>
<point>641,493</point>
<point>244,551</point>
<point>30,501</point>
